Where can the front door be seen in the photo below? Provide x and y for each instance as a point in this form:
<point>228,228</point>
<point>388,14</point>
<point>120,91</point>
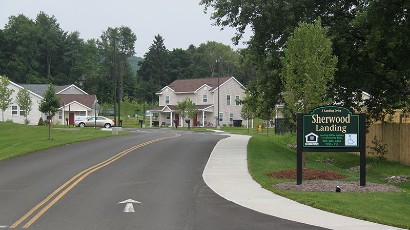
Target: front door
<point>195,120</point>
<point>176,119</point>
<point>71,118</point>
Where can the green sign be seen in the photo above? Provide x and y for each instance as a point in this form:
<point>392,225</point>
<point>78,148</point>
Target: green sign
<point>331,126</point>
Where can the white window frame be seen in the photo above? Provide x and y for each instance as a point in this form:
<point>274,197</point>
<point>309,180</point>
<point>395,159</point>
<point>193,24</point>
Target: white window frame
<point>221,116</point>
<point>205,98</point>
<point>167,100</point>
<point>60,114</point>
<point>231,117</point>
<point>22,113</point>
<point>228,99</point>
<point>14,110</point>
<point>237,100</point>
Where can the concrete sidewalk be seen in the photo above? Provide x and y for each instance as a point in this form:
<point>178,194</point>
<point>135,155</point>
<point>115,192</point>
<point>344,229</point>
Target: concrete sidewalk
<point>226,173</point>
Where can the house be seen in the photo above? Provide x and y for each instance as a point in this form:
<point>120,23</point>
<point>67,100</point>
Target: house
<point>74,102</point>
<point>210,95</point>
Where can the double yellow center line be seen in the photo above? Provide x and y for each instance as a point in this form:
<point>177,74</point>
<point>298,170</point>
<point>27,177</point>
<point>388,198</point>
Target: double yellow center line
<point>55,196</point>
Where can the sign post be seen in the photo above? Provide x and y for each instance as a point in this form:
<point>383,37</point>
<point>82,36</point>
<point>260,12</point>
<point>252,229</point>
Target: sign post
<point>331,129</point>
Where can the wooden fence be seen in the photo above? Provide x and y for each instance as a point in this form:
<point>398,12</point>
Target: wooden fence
<point>397,138</point>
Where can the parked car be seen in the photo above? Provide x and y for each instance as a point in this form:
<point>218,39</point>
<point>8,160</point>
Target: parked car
<point>99,121</point>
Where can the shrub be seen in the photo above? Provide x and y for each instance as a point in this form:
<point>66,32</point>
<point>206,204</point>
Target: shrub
<point>41,121</point>
<point>378,149</point>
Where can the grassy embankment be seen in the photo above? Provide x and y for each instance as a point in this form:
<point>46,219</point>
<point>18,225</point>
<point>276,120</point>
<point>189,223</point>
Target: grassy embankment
<point>270,153</point>
<point>17,140</point>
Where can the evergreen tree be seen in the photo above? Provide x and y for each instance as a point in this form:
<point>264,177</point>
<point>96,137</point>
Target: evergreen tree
<point>154,69</point>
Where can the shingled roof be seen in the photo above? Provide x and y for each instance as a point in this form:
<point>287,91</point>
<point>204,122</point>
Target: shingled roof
<point>191,85</point>
<point>87,100</point>
<point>40,89</point>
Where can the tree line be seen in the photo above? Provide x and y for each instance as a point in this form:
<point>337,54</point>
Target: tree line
<point>370,39</point>
<point>369,42</point>
<point>39,51</point>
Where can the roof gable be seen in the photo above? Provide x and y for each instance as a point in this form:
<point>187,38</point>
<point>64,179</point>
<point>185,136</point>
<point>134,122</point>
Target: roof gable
<point>230,79</point>
<point>86,100</point>
<point>21,87</point>
<point>40,89</point>
<point>67,88</point>
<point>162,90</point>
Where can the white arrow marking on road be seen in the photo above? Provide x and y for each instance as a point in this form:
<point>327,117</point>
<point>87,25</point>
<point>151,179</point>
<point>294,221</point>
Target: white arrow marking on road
<point>129,207</point>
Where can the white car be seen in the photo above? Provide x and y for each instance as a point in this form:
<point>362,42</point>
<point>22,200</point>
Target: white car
<point>98,121</point>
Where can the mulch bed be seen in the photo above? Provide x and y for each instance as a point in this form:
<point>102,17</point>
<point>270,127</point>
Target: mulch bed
<point>326,181</point>
<point>308,174</point>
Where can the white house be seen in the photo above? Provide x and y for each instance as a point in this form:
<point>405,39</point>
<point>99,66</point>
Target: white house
<point>210,95</point>
<point>73,101</point>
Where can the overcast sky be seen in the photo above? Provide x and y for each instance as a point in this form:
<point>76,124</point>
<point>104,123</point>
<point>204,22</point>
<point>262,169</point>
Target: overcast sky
<point>179,22</point>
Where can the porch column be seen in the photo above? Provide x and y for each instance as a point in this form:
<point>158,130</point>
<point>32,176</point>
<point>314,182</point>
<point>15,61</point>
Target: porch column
<point>63,117</point>
<point>203,118</point>
<point>172,119</point>
<point>150,120</point>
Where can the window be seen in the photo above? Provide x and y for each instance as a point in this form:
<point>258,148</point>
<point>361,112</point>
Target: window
<point>168,116</point>
<point>237,100</point>
<point>60,115</point>
<point>231,117</point>
<point>14,110</point>
<point>221,116</point>
<point>228,99</point>
<point>22,113</point>
<point>82,113</point>
<point>166,100</point>
<point>205,98</point>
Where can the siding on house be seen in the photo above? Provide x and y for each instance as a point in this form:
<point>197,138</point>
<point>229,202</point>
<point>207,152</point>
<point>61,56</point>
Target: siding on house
<point>233,89</point>
<point>34,114</point>
<point>195,89</point>
<point>74,102</point>
<point>71,89</point>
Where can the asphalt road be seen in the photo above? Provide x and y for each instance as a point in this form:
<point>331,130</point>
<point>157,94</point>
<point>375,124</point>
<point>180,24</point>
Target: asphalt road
<point>82,185</point>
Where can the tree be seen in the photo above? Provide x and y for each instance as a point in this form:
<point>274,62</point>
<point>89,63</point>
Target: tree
<point>5,95</point>
<point>370,39</point>
<point>154,69</point>
<point>214,58</point>
<point>73,59</point>
<point>187,109</point>
<point>21,52</point>
<point>49,106</point>
<point>117,44</point>
<point>96,73</point>
<point>382,29</point>
<point>180,62</point>
<point>51,38</point>
<point>23,99</point>
<point>308,69</point>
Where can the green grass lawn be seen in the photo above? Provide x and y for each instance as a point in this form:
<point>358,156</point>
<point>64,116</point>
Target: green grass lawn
<point>270,153</point>
<point>17,140</point>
